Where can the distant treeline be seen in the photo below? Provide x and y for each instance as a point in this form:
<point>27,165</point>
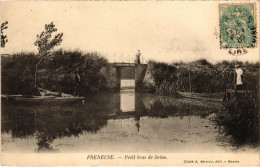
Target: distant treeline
<point>198,76</point>
<point>55,73</point>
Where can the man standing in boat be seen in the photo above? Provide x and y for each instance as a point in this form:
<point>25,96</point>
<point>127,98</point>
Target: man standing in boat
<point>239,72</point>
<point>77,83</point>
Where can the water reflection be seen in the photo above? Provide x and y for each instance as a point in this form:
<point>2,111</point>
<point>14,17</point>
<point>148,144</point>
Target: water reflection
<point>127,100</point>
<point>109,121</point>
<point>50,122</point>
<point>127,84</point>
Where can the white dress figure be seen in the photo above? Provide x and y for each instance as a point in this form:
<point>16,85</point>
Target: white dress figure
<point>239,83</point>
<point>239,72</point>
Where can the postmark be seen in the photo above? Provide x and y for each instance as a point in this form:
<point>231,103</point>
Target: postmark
<point>237,25</point>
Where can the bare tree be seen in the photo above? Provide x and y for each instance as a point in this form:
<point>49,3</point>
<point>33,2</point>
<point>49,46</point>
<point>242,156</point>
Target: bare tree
<point>46,43</point>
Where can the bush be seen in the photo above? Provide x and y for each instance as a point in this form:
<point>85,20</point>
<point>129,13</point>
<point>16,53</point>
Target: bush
<point>200,76</point>
<point>240,118</point>
<point>164,76</point>
<point>18,73</point>
<point>61,71</point>
<point>55,73</point>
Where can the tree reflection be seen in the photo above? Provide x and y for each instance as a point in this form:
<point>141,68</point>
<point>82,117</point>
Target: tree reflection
<point>52,122</point>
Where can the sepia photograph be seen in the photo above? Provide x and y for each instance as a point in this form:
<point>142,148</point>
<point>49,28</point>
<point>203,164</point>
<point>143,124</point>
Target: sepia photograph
<point>113,83</point>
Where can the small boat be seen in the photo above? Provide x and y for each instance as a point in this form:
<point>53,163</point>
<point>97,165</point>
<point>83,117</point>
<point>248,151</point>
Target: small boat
<point>41,99</point>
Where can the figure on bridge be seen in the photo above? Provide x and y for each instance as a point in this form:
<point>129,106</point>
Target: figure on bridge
<point>137,57</point>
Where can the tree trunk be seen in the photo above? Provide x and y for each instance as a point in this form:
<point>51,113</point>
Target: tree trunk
<point>36,69</point>
<point>189,79</point>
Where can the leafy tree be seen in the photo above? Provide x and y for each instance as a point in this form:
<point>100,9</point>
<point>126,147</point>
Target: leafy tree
<point>4,39</point>
<point>46,43</point>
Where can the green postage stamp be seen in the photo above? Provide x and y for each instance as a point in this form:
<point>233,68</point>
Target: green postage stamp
<point>237,25</point>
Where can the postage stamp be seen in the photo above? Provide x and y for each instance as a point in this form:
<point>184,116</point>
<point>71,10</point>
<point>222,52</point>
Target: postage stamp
<point>237,25</point>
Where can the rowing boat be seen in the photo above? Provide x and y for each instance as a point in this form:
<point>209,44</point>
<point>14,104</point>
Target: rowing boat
<point>41,99</point>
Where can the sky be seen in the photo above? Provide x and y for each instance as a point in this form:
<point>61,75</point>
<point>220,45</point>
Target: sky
<point>163,31</point>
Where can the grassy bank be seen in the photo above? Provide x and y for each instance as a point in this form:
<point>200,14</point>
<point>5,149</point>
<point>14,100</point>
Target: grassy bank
<point>55,74</point>
<point>239,118</point>
<point>198,76</point>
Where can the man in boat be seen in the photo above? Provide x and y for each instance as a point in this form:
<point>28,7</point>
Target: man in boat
<point>239,72</point>
<point>77,83</point>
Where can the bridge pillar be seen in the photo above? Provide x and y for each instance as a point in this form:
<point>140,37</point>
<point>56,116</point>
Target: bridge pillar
<point>112,76</point>
<point>140,70</point>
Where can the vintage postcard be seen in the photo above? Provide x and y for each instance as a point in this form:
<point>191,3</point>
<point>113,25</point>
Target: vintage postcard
<point>130,83</point>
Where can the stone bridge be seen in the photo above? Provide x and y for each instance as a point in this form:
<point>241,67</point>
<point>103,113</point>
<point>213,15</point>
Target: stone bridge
<point>122,71</point>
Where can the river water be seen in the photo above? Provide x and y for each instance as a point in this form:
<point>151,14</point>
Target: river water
<point>125,121</point>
